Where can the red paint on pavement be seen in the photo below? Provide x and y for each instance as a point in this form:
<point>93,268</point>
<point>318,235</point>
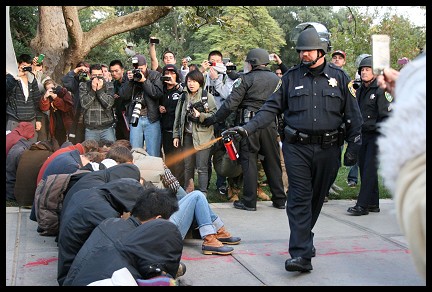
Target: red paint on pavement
<point>40,262</point>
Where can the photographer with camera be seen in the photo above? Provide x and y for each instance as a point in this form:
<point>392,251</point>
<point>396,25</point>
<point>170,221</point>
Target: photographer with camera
<point>22,97</point>
<point>59,102</point>
<point>172,91</point>
<point>72,81</point>
<point>189,134</point>
<point>144,89</point>
<point>97,100</point>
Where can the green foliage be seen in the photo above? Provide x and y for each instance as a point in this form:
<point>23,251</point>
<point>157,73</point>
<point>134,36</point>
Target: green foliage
<point>23,24</point>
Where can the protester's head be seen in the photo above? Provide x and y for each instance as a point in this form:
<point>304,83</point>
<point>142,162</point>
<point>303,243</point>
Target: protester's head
<point>95,156</point>
<point>172,71</point>
<point>120,154</point>
<point>122,142</point>
<point>155,203</point>
<point>278,72</point>
<point>193,67</point>
<point>90,145</point>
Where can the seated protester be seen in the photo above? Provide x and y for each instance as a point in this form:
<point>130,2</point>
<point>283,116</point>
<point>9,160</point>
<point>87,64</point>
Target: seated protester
<point>12,161</point>
<point>68,162</point>
<point>142,243</point>
<point>96,178</point>
<point>86,209</point>
<point>84,147</point>
<point>114,156</point>
<point>24,130</point>
<point>28,168</point>
<point>194,207</point>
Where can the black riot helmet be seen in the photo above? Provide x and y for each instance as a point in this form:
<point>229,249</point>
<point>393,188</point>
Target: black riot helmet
<point>258,56</point>
<point>311,36</point>
<point>365,62</point>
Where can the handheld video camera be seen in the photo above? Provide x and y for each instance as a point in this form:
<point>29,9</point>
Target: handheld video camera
<point>357,83</point>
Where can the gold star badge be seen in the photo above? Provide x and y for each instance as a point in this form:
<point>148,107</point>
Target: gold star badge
<point>332,82</point>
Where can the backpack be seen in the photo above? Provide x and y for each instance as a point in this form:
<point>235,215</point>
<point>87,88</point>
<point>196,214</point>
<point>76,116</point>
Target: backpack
<point>48,201</point>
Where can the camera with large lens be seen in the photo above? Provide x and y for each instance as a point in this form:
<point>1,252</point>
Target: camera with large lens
<point>136,113</point>
<point>356,83</point>
<point>137,75</point>
<point>83,76</point>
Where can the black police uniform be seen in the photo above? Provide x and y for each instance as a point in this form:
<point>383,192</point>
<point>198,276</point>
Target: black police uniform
<point>375,106</point>
<point>314,107</point>
<point>249,93</point>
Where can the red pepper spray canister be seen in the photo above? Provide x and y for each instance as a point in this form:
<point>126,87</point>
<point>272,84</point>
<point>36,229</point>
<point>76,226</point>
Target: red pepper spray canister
<point>230,148</point>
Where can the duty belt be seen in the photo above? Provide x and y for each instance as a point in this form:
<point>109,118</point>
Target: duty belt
<point>328,137</point>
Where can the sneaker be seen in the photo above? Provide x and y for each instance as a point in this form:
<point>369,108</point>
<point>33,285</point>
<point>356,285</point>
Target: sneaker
<point>336,188</point>
<point>181,270</point>
<point>352,184</point>
<point>333,192</point>
<point>223,190</point>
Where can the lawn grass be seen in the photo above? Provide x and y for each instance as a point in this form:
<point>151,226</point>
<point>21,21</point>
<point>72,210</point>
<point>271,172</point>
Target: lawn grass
<point>348,193</point>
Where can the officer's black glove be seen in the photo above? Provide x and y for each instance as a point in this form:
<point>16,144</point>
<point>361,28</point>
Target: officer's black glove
<point>209,121</point>
<point>237,131</point>
<point>350,157</point>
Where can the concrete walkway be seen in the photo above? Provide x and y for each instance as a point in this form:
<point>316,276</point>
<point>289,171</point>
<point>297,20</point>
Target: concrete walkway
<point>351,251</point>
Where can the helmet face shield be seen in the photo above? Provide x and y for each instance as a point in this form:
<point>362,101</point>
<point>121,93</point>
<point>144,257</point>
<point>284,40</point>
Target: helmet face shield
<point>316,39</point>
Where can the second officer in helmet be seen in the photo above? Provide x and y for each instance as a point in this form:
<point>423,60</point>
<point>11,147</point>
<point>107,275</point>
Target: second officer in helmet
<point>316,102</point>
<point>249,93</point>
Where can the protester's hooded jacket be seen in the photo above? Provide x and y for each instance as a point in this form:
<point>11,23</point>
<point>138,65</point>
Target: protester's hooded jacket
<point>118,243</point>
<point>96,178</point>
<point>85,210</point>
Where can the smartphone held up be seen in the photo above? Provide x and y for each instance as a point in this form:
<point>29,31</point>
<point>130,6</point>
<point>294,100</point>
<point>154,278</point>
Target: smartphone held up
<point>380,53</point>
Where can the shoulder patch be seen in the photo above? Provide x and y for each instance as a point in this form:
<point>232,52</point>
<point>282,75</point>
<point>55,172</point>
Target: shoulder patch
<point>388,96</point>
<point>237,82</point>
<point>351,88</point>
<point>278,85</point>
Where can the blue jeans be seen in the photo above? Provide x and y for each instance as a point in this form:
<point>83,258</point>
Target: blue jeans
<point>106,134</point>
<point>195,206</point>
<point>353,173</point>
<point>148,132</point>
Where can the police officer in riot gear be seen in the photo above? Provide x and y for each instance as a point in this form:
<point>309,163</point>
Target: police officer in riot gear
<point>375,106</point>
<point>249,93</point>
<point>315,101</point>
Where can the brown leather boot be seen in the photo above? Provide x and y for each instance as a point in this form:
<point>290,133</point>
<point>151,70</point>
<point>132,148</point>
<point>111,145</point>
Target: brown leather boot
<point>233,194</point>
<point>212,245</point>
<point>225,237</point>
<point>262,195</point>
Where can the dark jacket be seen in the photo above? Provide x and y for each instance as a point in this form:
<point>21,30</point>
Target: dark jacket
<point>250,91</point>
<point>12,161</point>
<point>86,209</point>
<point>16,105</point>
<point>96,178</point>
<point>67,162</point>
<point>150,91</point>
<point>116,243</point>
<point>28,168</point>
<point>374,105</point>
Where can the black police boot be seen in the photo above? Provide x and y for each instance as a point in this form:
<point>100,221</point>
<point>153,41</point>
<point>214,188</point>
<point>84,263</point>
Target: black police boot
<point>298,264</point>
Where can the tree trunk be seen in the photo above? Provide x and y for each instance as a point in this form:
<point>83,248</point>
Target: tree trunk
<point>60,37</point>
